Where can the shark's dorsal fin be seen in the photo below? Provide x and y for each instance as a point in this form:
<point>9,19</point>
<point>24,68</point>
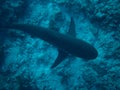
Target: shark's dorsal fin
<point>61,53</point>
<point>71,30</point>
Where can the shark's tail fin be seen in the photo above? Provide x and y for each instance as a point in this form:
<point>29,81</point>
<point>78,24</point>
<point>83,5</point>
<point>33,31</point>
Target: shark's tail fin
<point>5,26</point>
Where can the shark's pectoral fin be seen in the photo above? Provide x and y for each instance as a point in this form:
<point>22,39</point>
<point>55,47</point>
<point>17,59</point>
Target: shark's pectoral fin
<point>61,56</point>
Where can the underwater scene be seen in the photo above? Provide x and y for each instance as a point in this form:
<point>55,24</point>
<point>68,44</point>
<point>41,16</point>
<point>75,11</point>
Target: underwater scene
<point>59,44</point>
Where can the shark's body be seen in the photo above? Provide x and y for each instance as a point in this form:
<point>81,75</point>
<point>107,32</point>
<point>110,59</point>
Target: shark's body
<point>69,44</point>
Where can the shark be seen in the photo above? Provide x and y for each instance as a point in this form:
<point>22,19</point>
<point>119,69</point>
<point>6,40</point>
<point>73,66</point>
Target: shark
<point>67,44</point>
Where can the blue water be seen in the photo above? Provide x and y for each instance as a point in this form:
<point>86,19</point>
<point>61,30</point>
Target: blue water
<point>25,61</point>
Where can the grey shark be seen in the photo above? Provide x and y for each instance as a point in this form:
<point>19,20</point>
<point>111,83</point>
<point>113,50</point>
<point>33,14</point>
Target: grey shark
<point>67,44</point>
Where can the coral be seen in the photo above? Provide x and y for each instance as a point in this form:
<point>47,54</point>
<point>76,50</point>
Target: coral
<point>25,83</point>
<point>12,11</point>
<point>110,81</point>
<point>90,77</point>
<point>102,13</point>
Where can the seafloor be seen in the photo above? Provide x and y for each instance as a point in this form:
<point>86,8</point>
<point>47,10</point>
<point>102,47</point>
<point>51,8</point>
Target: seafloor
<point>25,61</point>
